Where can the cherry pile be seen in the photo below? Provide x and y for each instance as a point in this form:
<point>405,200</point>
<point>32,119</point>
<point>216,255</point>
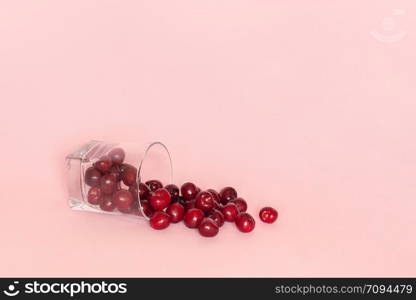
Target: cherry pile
<point>113,186</point>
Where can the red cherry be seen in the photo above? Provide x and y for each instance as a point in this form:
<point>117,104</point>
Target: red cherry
<point>204,201</point>
<point>92,177</point>
<point>95,196</point>
<point>123,199</point>
<point>208,228</point>
<point>215,195</point>
<point>147,208</point>
<point>268,214</point>
<point>240,203</point>
<point>117,156</point>
<point>227,194</point>
<point>108,184</point>
<point>103,164</point>
<point>154,185</point>
<point>107,204</point>
<point>230,212</point>
<point>159,220</point>
<point>173,191</point>
<point>143,191</point>
<point>176,212</point>
<point>159,199</point>
<point>129,174</point>
<point>245,222</point>
<point>193,217</point>
<point>217,216</point>
<point>189,190</point>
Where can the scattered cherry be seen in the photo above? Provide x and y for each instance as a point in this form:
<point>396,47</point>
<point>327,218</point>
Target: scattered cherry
<point>240,203</point>
<point>117,156</point>
<point>95,196</point>
<point>154,185</point>
<point>92,177</point>
<point>176,212</point>
<point>173,191</point>
<point>189,190</point>
<point>159,220</point>
<point>103,164</point>
<point>245,222</point>
<point>217,216</point>
<point>122,199</point>
<point>208,228</point>
<point>193,217</point>
<point>227,194</point>
<point>268,214</point>
<point>108,184</point>
<point>159,199</point>
<point>230,212</point>
<point>204,201</point>
<point>107,204</point>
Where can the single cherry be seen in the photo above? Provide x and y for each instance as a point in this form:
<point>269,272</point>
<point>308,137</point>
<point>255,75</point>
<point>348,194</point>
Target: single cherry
<point>154,185</point>
<point>107,204</point>
<point>103,164</point>
<point>159,199</point>
<point>230,212</point>
<point>245,222</point>
<point>217,216</point>
<point>189,190</point>
<point>193,217</point>
<point>227,194</point>
<point>268,214</point>
<point>240,203</point>
<point>117,156</point>
<point>123,199</point>
<point>92,176</point>
<point>208,228</point>
<point>108,184</point>
<point>176,212</point>
<point>129,174</point>
<point>143,190</point>
<point>159,220</point>
<point>95,196</point>
<point>173,191</point>
<point>204,201</point>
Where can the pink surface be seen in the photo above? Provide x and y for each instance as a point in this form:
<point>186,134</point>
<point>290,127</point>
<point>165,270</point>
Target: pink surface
<point>308,106</point>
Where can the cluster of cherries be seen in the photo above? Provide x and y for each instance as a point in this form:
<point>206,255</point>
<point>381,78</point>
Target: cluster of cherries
<point>205,210</point>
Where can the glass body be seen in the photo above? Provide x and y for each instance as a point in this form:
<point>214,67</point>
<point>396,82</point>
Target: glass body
<point>99,164</point>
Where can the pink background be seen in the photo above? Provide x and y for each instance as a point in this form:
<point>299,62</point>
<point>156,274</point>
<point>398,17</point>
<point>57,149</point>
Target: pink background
<point>308,106</point>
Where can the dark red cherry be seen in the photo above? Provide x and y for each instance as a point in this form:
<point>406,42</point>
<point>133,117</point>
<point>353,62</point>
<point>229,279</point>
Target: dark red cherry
<point>193,217</point>
<point>189,190</point>
<point>189,204</point>
<point>245,222</point>
<point>227,194</point>
<point>173,191</point>
<point>204,201</point>
<point>107,204</point>
<point>129,175</point>
<point>95,196</point>
<point>143,191</point>
<point>103,164</point>
<point>117,156</point>
<point>208,228</point>
<point>159,199</point>
<point>176,212</point>
<point>240,203</point>
<point>154,185</point>
<point>217,216</point>
<point>116,171</point>
<point>159,220</point>
<point>268,214</point>
<point>92,177</point>
<point>230,212</point>
<point>108,184</point>
<point>215,195</point>
<point>123,199</point>
<point>147,208</point>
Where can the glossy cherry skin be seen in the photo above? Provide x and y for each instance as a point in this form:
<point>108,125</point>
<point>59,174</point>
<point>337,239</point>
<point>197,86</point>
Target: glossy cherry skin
<point>193,217</point>
<point>245,222</point>
<point>154,185</point>
<point>176,212</point>
<point>123,199</point>
<point>95,196</point>
<point>217,216</point>
<point>208,228</point>
<point>268,214</point>
<point>108,184</point>
<point>173,191</point>
<point>92,177</point>
<point>143,190</point>
<point>129,175</point>
<point>159,220</point>
<point>240,203</point>
<point>159,199</point>
<point>230,212</point>
<point>107,204</point>
<point>117,156</point>
<point>189,190</point>
<point>103,164</point>
<point>204,201</point>
<point>227,194</point>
